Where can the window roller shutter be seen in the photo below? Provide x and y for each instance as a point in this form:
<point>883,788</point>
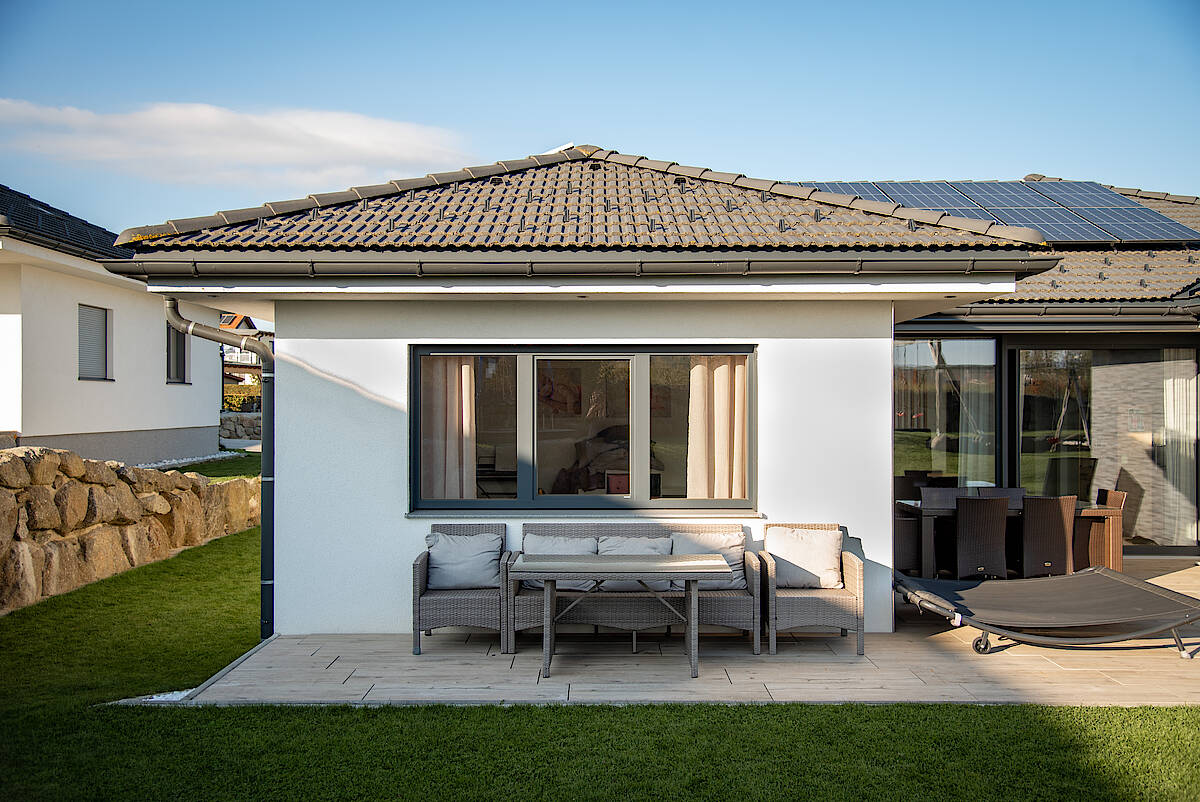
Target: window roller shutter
<point>93,343</point>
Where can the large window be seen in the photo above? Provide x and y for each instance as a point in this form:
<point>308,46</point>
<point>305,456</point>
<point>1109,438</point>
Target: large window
<point>945,405</point>
<point>1121,419</point>
<point>94,337</point>
<point>583,428</point>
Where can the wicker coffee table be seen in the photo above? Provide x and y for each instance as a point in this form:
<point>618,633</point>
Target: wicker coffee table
<point>640,568</point>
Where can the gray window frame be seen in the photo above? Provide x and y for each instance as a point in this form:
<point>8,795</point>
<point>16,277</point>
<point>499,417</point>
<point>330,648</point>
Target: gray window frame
<point>639,425</point>
<point>108,357</point>
<point>183,343</point>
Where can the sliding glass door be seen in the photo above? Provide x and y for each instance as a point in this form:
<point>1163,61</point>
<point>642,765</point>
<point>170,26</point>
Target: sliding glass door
<point>1121,419</point>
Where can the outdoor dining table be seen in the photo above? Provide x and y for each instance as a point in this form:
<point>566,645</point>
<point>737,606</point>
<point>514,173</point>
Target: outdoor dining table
<point>640,568</point>
<point>928,515</point>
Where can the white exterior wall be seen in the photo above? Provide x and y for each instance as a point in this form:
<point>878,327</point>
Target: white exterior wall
<point>344,543</point>
<point>56,402</point>
<point>10,348</point>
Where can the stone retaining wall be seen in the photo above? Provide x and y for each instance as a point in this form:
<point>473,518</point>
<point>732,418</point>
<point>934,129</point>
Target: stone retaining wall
<point>66,521</point>
<point>241,425</point>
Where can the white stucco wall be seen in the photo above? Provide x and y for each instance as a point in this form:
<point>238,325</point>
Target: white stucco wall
<point>56,402</point>
<point>344,546</point>
<point>10,348</point>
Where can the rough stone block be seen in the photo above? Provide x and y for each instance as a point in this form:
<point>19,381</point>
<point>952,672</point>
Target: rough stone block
<point>181,482</point>
<point>98,473</point>
<point>63,569</point>
<point>159,542</point>
<point>185,523</point>
<point>103,554</point>
<point>129,509</point>
<point>13,472</point>
<point>20,583</point>
<point>70,463</point>
<point>41,462</point>
<point>8,518</point>
<point>72,502</point>
<point>39,503</point>
<point>154,503</point>
<point>101,507</point>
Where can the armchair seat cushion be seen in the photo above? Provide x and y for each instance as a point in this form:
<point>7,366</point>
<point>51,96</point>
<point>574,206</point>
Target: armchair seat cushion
<point>730,545</point>
<point>805,558</point>
<point>458,562</point>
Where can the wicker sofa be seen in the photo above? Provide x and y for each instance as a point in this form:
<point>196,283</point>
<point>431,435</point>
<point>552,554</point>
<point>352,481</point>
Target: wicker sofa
<point>788,608</point>
<point>469,607</point>
<point>636,610</point>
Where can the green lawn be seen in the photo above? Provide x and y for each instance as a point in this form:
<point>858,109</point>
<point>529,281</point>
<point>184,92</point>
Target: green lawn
<point>170,625</point>
<point>243,466</point>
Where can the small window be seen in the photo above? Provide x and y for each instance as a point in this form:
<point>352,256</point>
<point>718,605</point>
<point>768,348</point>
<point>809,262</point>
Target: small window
<point>94,331</point>
<point>177,356</point>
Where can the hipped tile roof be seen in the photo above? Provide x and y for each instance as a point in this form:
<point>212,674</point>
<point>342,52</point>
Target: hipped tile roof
<point>579,198</point>
<point>27,218</point>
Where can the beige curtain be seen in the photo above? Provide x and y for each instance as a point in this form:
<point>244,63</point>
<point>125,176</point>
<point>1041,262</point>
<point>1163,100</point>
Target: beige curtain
<point>716,443</point>
<point>447,427</point>
<point>1178,456</point>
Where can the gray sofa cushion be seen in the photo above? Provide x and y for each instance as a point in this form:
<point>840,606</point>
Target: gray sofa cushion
<point>731,546</point>
<point>464,561</point>
<point>805,558</point>
<point>616,544</point>
<point>554,544</point>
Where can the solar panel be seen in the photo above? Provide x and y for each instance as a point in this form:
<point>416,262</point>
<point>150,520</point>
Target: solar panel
<point>863,189</point>
<point>925,194</point>
<point>1063,211</point>
<point>1083,194</point>
<point>1057,224</point>
<point>1138,224</point>
<point>1003,195</point>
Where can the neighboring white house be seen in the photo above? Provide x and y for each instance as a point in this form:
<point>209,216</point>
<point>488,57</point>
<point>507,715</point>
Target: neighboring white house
<point>86,360</point>
<point>573,336</point>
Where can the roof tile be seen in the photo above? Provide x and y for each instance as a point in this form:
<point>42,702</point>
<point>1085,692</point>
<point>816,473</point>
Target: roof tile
<point>289,206</point>
<point>324,199</point>
<point>242,215</point>
<point>755,183</point>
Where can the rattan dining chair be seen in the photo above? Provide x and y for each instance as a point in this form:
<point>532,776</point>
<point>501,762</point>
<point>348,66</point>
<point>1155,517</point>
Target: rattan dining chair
<point>1088,541</point>
<point>979,537</point>
<point>1047,528</point>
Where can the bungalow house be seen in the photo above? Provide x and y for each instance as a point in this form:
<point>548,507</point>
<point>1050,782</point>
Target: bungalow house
<point>86,361</point>
<point>578,335</point>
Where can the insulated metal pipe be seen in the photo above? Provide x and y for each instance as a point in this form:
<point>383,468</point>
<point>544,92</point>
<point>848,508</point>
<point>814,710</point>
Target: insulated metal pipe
<point>267,503</point>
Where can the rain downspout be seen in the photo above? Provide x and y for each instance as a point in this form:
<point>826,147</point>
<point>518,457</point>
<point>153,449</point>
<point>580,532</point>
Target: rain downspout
<point>267,505</point>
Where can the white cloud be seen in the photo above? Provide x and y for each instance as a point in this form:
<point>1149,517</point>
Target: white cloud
<point>194,143</point>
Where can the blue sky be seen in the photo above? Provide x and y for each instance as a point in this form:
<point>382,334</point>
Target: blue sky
<point>130,113</point>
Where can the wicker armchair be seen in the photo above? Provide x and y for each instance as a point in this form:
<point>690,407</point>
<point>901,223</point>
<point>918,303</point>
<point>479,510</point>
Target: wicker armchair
<point>637,610</point>
<point>835,608</point>
<point>470,607</point>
